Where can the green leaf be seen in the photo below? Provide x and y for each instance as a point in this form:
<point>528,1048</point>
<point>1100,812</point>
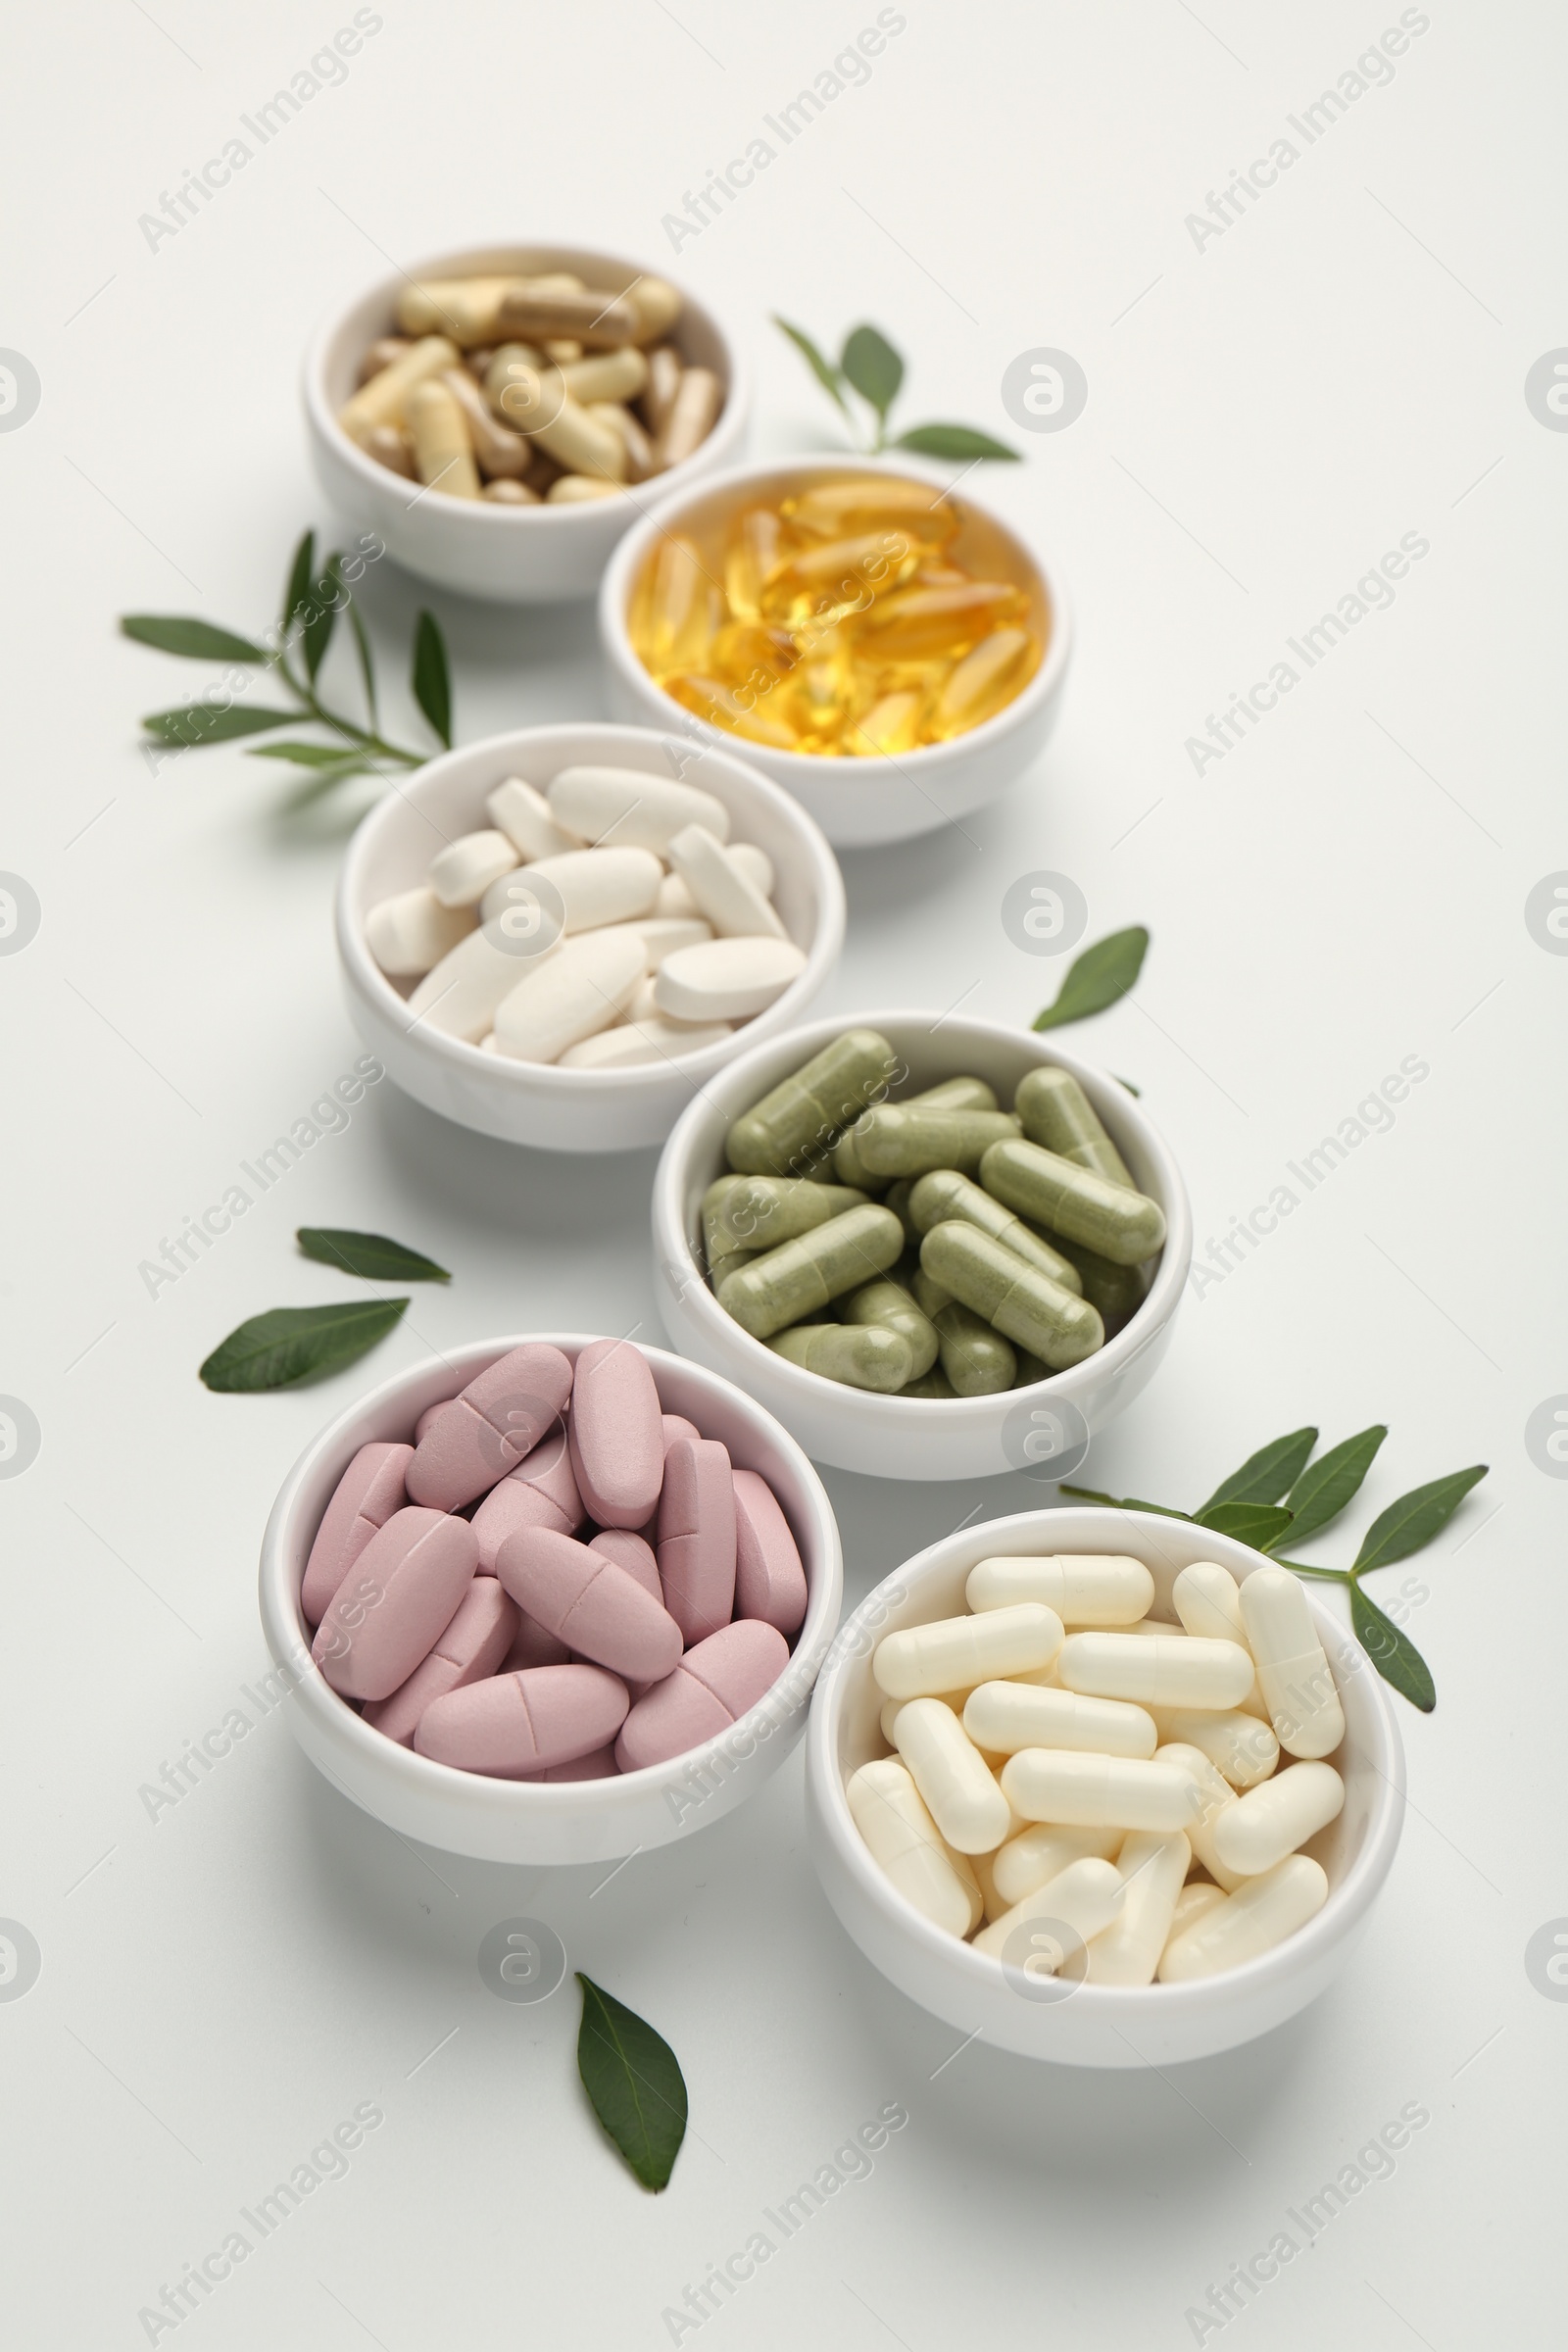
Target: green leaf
<point>1393,1654</point>
<point>1327,1484</point>
<point>304,754</point>
<point>1253,1523</point>
<point>822,367</point>
<point>200,722</point>
<point>1264,1476</point>
<point>872,366</point>
<point>953,441</point>
<point>1128,1084</point>
<point>1413,1519</point>
<point>1126,1502</point>
<point>1098,977</point>
<point>634,2082</point>
<point>362,643</point>
<point>370,1254</point>
<point>299,579</point>
<point>196,639</point>
<point>320,617</point>
<point>432,680</point>
<point>297,1342</point>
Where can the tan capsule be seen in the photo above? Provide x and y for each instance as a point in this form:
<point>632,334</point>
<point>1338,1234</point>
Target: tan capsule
<point>641,462</point>
<point>658,305</point>
<point>536,401</point>
<point>609,376</point>
<point>466,309</point>
<point>443,453</point>
<point>388,445</point>
<point>498,451</point>
<point>693,415</point>
<point>382,354</point>
<point>665,372</point>
<point>384,399</point>
<point>599,321</point>
<point>503,493</point>
<point>561,350</point>
<point>497,373</point>
<point>580,490</point>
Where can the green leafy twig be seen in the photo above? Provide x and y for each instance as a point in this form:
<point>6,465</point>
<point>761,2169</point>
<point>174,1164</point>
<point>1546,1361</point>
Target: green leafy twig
<point>1281,1493</point>
<point>311,603</point>
<point>1096,978</point>
<point>633,2078</point>
<point>869,367</point>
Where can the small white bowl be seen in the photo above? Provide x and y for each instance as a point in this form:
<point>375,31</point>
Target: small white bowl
<point>1092,2025</point>
<point>532,1102</point>
<point>570,1821</point>
<point>507,555</point>
<point>855,802</point>
<point>1044,1431</point>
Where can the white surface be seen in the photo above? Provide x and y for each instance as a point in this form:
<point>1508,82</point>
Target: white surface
<point>233,1979</point>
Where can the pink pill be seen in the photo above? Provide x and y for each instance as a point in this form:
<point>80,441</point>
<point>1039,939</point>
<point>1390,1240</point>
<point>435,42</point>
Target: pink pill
<point>711,1687</point>
<point>518,1724</point>
<point>532,1645</point>
<point>541,1491</point>
<point>769,1579</point>
<point>471,1648</point>
<point>617,1440</point>
<point>429,1416</point>
<point>697,1537</point>
<point>395,1602</point>
<point>364,1498</point>
<point>634,1553</point>
<point>582,1598</point>
<point>674,1425</point>
<point>493,1425</point>
<point>600,1766</point>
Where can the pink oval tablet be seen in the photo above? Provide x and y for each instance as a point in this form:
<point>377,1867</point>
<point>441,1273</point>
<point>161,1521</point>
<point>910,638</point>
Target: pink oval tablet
<point>542,1491</point>
<point>395,1602</point>
<point>600,1766</point>
<point>697,1537</point>
<point>364,1498</point>
<point>634,1553</point>
<point>533,1645</point>
<point>587,1601</point>
<point>472,1647</point>
<point>516,1724</point>
<point>769,1579</point>
<point>617,1439</point>
<point>711,1687</point>
<point>676,1425</point>
<point>493,1425</point>
<point>429,1416</point>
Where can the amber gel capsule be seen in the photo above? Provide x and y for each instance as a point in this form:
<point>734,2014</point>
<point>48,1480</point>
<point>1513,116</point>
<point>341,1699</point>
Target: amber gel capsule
<point>1125,1227</point>
<point>799,1278</point>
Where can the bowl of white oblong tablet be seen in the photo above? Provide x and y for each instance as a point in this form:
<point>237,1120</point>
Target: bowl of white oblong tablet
<point>560,936</point>
<point>1147,1823</point>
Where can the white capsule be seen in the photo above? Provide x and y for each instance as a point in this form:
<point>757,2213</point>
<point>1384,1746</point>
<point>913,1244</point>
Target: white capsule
<point>954,1700</point>
<point>1082,1901</point>
<point>905,1843</point>
<point>1214,1796</point>
<point>460,993</point>
<point>1087,1589</point>
<point>409,934</point>
<point>1006,1716</point>
<point>1155,1671</point>
<point>633,1044</point>
<point>727,979</point>
<point>1238,1745</point>
<point>957,1652</point>
<point>599,887</point>
<point>1040,1852</point>
<point>1247,1924</point>
<point>720,887</point>
<point>523,815</point>
<point>1153,1867</point>
<point>627,810</point>
<point>1208,1601</point>
<point>462,872</point>
<point>952,1777</point>
<point>1196,1899</point>
<point>584,986</point>
<point>1063,1785</point>
<point>991,1902</point>
<point>1292,1673</point>
<point>1261,1827</point>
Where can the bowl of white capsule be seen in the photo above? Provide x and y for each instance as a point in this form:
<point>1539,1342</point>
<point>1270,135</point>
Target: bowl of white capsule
<point>1102,1788</point>
<point>494,414</point>
<point>559,936</point>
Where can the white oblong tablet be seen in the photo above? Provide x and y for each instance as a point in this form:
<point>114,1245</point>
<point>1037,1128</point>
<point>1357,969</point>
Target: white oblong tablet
<point>755,864</point>
<point>523,815</point>
<point>726,979</point>
<point>462,872</point>
<point>603,886</point>
<point>633,1044</point>
<point>722,890</point>
<point>662,934</point>
<point>629,810</point>
<point>409,934</point>
<point>584,986</point>
<point>460,995</point>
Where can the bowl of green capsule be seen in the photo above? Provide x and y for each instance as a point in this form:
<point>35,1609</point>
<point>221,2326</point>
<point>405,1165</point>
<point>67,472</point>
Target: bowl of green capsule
<point>933,1248</point>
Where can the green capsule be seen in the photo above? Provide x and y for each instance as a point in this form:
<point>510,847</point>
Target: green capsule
<point>1114,1291</point>
<point>1030,1369</point>
<point>933,1383</point>
<point>713,1201</point>
<point>757,1212</point>
<point>806,1111</point>
<point>1026,1306</point>
<point>906,1139</point>
<point>1058,1115</point>
<point>888,1303</point>
<point>800,1276</point>
<point>1125,1227</point>
<point>944,1194</point>
<point>956,1094</point>
<point>866,1355</point>
<point>976,1359</point>
<point>929,1296</point>
<point>846,1164</point>
<point>728,1261</point>
<point>897,1197</point>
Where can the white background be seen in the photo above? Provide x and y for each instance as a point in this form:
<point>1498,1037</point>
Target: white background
<point>1266,417</point>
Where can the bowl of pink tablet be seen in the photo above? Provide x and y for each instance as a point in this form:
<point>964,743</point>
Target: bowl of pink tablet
<point>576,1613</point>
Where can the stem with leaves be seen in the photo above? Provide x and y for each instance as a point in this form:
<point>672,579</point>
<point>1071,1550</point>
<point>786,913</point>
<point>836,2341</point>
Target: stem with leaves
<point>869,367</point>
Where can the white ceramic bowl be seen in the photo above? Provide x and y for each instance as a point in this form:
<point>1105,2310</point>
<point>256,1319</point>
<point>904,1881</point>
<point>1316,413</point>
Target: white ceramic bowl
<point>508,555</point>
<point>570,1821</point>
<point>855,802</point>
<point>1044,1431</point>
<point>532,1102</point>
<point>1092,2025</point>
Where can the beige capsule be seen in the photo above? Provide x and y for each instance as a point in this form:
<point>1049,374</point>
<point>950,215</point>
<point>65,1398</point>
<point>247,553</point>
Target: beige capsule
<point>599,321</point>
<point>609,376</point>
<point>581,490</point>
<point>466,309</point>
<point>499,451</point>
<point>503,493</point>
<point>641,462</point>
<point>382,354</point>
<point>561,350</point>
<point>388,445</point>
<point>665,372</point>
<point>443,453</point>
<point>658,305</point>
<point>536,401</point>
<point>384,399</point>
<point>692,417</point>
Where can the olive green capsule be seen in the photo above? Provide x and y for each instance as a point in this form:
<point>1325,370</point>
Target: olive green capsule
<point>933,1383</point>
<point>976,1359</point>
<point>906,1139</point>
<point>1030,1369</point>
<point>808,1109</point>
<point>757,1212</point>
<point>728,1261</point>
<point>1058,1115</point>
<point>888,1303</point>
<point>714,1244</point>
<point>846,1164</point>
<point>944,1193</point>
<point>897,1197</point>
<point>1026,1306</point>
<point>1114,1291</point>
<point>956,1094</point>
<point>929,1296</point>
<point>866,1355</point>
<point>1124,1226</point>
<point>800,1276</point>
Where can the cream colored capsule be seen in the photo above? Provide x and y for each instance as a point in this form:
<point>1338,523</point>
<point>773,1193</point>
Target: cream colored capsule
<point>665,372</point>
<point>1271,1822</point>
<point>1082,1899</point>
<point>720,886</point>
<point>906,1845</point>
<point>1154,1671</point>
<point>1194,1902</point>
<point>500,454</point>
<point>1208,1599</point>
<point>409,934</point>
<point>466,309</point>
<point>601,886</point>
<point>642,461</point>
<point>1215,1796</point>
<point>1063,1785</point>
<point>624,808</point>
<point>609,376</point>
<point>525,817</point>
<point>580,490</point>
<point>545,309</point>
<point>693,415</point>
<point>536,401</point>
<point>443,451</point>
<point>384,399</point>
<point>1153,1867</point>
<point>382,354</point>
<point>657,304</point>
<point>1040,1852</point>
<point>504,493</point>
<point>388,445</point>
<point>634,1044</point>
<point>1005,1716</point>
<point>571,993</point>
<point>1247,1924</point>
<point>1094,1588</point>
<point>462,872</point>
<point>954,1778</point>
<point>956,1700</point>
<point>953,1652</point>
<point>991,1901</point>
<point>1238,1745</point>
<point>1292,1673</point>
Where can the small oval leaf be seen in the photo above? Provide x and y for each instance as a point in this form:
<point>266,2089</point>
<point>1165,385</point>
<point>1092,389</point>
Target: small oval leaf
<point>306,755</point>
<point>370,1254</point>
<point>291,1344</point>
<point>1098,978</point>
<point>1412,1520</point>
<point>199,722</point>
<point>953,441</point>
<point>432,678</point>
<point>872,366</point>
<point>1264,1476</point>
<point>1326,1485</point>
<point>1391,1653</point>
<point>822,367</point>
<point>634,2082</point>
<point>1253,1523</point>
<point>196,639</point>
<point>299,578</point>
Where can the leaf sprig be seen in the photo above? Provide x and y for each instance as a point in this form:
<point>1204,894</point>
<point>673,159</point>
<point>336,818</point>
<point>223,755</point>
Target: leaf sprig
<point>1280,1491</point>
<point>293,1343</point>
<point>1096,978</point>
<point>869,367</point>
